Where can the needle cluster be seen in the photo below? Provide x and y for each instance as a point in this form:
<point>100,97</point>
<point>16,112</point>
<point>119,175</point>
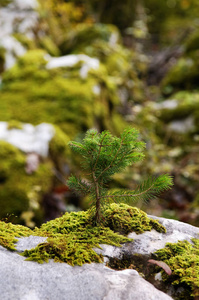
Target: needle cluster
<point>103,156</point>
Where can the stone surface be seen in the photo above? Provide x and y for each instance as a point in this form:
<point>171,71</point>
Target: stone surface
<point>30,138</point>
<point>150,241</point>
<point>17,17</point>
<point>25,280</point>
<point>72,60</point>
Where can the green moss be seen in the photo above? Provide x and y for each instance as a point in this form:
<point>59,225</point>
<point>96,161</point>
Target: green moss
<point>32,64</point>
<point>60,96</point>
<point>183,75</point>
<point>9,232</point>
<point>192,43</point>
<point>47,43</point>
<point>2,58</point>
<point>53,96</point>
<point>86,34</point>
<point>187,104</point>
<point>24,40</point>
<point>20,192</point>
<point>14,124</point>
<point>72,237</point>
<point>5,2</point>
<point>75,247</point>
<point>125,219</point>
<point>58,147</point>
<point>183,259</point>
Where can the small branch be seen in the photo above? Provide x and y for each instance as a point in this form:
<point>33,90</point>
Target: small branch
<point>128,195</point>
<point>97,214</point>
<point>108,167</point>
<point>77,146</point>
<point>100,148</point>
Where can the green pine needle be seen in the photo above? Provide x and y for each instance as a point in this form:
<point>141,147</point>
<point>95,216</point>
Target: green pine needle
<point>103,156</point>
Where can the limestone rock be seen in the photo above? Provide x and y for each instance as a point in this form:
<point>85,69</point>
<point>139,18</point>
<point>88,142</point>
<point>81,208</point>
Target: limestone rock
<point>27,280</point>
<point>137,253</point>
<point>150,241</point>
<point>29,138</point>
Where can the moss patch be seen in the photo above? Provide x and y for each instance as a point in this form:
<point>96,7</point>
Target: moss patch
<point>72,237</point>
<point>125,219</point>
<point>9,232</point>
<point>183,259</point>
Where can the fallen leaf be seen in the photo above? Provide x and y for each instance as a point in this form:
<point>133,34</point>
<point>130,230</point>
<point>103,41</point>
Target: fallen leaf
<point>162,265</point>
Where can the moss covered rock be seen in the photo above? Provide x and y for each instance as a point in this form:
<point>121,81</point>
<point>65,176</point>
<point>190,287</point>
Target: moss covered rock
<point>21,188</point>
<point>182,258</point>
<point>72,237</point>
<point>20,192</point>
<point>60,96</point>
<point>183,75</point>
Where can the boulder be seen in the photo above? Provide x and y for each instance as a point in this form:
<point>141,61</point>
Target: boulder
<point>19,17</point>
<point>148,242</point>
<point>145,246</point>
<point>28,280</point>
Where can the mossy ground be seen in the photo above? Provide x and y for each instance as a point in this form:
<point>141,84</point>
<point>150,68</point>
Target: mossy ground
<point>183,259</point>
<point>72,237</point>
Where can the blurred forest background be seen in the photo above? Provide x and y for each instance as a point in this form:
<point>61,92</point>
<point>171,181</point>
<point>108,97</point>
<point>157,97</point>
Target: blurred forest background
<point>67,66</point>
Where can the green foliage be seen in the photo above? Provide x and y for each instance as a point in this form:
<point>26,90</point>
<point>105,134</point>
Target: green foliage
<point>104,155</point>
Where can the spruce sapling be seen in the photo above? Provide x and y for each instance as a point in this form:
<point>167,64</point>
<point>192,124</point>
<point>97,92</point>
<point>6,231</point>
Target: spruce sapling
<point>103,156</point>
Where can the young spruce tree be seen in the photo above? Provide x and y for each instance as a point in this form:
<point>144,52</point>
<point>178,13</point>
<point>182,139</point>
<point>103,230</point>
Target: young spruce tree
<point>103,156</point>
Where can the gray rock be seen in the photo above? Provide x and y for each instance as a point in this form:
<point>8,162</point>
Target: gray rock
<point>144,245</point>
<point>150,241</point>
<point>27,243</point>
<point>25,280</point>
<point>29,138</point>
<point>17,17</point>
